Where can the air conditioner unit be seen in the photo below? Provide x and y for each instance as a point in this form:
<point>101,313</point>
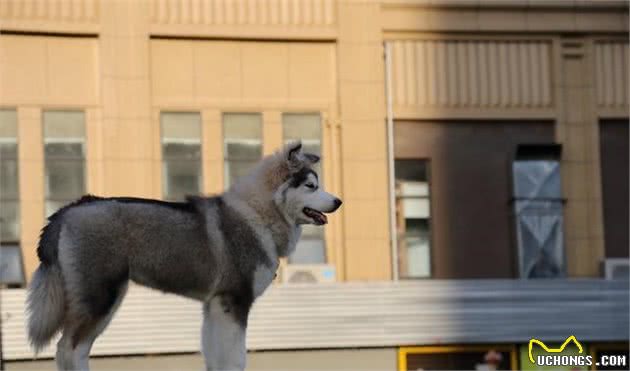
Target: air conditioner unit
<point>617,268</point>
<point>308,273</point>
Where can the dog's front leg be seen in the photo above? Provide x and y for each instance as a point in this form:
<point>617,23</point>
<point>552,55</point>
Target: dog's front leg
<point>223,334</point>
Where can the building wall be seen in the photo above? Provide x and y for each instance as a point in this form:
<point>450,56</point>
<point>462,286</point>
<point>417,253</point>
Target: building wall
<point>456,61</point>
<point>123,62</point>
<point>472,235</point>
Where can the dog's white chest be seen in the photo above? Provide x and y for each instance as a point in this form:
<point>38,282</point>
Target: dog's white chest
<point>263,276</point>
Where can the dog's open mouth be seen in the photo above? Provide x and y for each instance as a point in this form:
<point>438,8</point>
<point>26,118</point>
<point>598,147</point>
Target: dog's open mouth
<point>318,217</point>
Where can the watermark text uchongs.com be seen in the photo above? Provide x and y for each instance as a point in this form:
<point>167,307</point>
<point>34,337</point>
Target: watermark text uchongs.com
<point>553,356</point>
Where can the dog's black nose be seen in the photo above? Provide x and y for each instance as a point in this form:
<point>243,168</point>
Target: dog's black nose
<point>338,203</point>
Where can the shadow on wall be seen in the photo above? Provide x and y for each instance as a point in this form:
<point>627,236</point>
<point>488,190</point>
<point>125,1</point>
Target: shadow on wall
<point>470,180</point>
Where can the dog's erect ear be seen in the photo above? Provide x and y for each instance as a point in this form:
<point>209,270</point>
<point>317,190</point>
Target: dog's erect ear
<point>295,158</point>
<point>311,158</point>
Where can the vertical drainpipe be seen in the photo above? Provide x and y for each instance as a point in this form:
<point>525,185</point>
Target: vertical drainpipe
<point>390,160</point>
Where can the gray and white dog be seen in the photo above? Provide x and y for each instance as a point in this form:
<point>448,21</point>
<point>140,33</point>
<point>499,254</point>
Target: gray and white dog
<point>222,251</point>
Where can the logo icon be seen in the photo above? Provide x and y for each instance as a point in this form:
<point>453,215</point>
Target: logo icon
<point>553,350</point>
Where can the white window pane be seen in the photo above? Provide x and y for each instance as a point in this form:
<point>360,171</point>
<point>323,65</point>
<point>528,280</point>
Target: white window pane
<point>64,150</point>
<point>64,126</point>
<point>413,212</point>
<point>418,264</point>
<point>64,179</point>
<point>236,169</point>
<point>9,221</point>
<point>309,251</point>
<point>8,125</point>
<point>411,189</point>
<point>416,208</point>
<point>181,178</point>
<point>181,154</point>
<point>52,206</point>
<point>182,127</point>
<point>181,151</point>
<point>243,151</point>
<point>306,127</point>
<point>414,249</point>
<point>242,137</point>
<point>11,267</point>
<point>242,126</point>
<point>8,171</point>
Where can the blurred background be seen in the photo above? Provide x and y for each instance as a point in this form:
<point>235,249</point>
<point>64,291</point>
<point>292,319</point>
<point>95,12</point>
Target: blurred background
<point>480,148</point>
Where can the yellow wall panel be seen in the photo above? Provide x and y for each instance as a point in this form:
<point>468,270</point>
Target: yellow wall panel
<point>311,72</point>
<point>136,178</point>
<point>364,101</point>
<point>135,138</point>
<point>171,70</point>
<point>49,70</point>
<point>367,218</point>
<point>264,68</point>
<point>23,73</point>
<point>217,69</point>
<point>367,259</point>
<point>212,151</point>
<point>234,74</point>
<point>366,179</point>
<point>72,70</point>
<point>364,142</point>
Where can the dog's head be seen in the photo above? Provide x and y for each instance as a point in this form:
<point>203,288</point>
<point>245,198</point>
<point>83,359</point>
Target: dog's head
<point>300,196</point>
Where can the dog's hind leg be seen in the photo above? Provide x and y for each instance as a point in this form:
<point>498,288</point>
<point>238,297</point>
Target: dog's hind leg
<point>73,350</point>
<point>223,333</point>
<point>63,358</point>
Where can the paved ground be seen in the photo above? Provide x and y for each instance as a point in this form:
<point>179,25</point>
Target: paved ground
<point>328,360</point>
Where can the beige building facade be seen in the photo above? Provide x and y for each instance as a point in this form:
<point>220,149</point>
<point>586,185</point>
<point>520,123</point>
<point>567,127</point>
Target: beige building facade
<point>420,109</point>
<point>124,64</point>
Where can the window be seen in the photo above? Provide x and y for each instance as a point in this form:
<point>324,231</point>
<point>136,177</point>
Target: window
<point>64,151</point>
<point>181,154</point>
<point>9,193</point>
<point>413,218</point>
<point>538,205</point>
<point>242,144</point>
<point>311,248</point>
<point>11,271</point>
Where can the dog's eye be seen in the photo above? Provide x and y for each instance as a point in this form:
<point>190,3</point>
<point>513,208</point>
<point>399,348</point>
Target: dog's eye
<point>310,185</point>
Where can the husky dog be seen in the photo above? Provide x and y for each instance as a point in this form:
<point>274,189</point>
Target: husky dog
<point>222,251</point>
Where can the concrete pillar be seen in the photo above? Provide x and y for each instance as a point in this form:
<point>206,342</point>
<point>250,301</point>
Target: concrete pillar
<point>363,143</point>
<point>577,130</point>
<point>130,133</point>
<point>31,183</point>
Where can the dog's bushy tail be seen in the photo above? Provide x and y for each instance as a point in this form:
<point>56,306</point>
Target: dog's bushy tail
<point>45,305</point>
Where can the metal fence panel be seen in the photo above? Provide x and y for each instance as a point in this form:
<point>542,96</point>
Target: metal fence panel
<point>376,314</point>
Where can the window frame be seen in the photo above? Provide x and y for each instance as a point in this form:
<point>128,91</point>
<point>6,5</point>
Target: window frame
<point>166,159</point>
<point>72,140</point>
<point>536,152</point>
<point>15,199</point>
<point>324,234</point>
<point>14,243</point>
<point>428,166</point>
<point>227,181</point>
